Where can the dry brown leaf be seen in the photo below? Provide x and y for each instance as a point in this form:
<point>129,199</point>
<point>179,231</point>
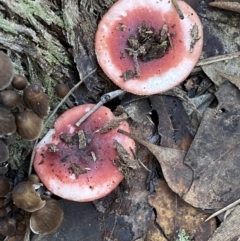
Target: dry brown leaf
<point>173,123</point>
<point>229,229</point>
<point>178,175</point>
<point>214,154</point>
<point>154,233</point>
<point>173,215</point>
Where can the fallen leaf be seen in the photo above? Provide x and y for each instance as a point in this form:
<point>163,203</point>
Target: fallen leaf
<point>173,215</point>
<point>214,154</point>
<point>173,123</point>
<point>229,228</point>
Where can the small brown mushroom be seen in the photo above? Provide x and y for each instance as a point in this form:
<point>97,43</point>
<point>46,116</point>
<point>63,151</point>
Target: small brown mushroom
<point>29,125</point>
<point>20,228</point>
<point>33,178</point>
<point>4,186</point>
<point>4,152</point>
<point>1,202</point>
<point>48,219</point>
<point>7,121</point>
<point>34,98</point>
<point>61,91</point>
<point>6,73</point>
<point>3,212</point>
<point>10,99</point>
<point>25,196</point>
<point>7,226</point>
<point>19,82</point>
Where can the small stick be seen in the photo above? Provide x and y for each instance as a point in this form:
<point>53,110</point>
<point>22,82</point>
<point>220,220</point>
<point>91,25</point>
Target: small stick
<point>223,210</point>
<point>179,11</point>
<point>217,58</point>
<point>68,94</point>
<point>104,99</point>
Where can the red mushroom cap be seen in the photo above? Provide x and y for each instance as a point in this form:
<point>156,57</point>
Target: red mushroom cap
<point>80,174</point>
<point>157,75</point>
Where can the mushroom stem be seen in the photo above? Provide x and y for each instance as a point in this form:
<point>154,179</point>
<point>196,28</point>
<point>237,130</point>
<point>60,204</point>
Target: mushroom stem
<point>104,99</point>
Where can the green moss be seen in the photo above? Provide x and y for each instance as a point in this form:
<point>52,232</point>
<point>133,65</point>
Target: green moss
<point>183,236</point>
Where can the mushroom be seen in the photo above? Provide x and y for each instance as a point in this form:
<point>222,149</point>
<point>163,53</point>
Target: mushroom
<point>6,73</point>
<point>7,226</point>
<point>11,99</point>
<point>76,163</point>
<point>4,152</point>
<point>19,82</point>
<point>3,212</point>
<point>29,125</point>
<point>145,48</point>
<point>34,98</point>
<point>25,196</point>
<point>7,121</point>
<point>62,90</point>
<point>1,202</point>
<point>4,186</point>
<point>47,219</point>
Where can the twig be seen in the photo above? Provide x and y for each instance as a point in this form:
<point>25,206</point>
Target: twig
<point>217,58</point>
<point>68,94</point>
<point>179,11</point>
<point>104,99</point>
<point>223,210</point>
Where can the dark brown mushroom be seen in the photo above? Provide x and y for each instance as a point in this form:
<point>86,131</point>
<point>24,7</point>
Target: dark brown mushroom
<point>4,152</point>
<point>7,121</point>
<point>7,226</point>
<point>6,73</point>
<point>61,91</point>
<point>25,196</point>
<point>48,219</point>
<point>2,202</point>
<point>10,99</point>
<point>29,125</point>
<point>4,186</point>
<point>19,82</point>
<point>3,212</point>
<point>34,98</point>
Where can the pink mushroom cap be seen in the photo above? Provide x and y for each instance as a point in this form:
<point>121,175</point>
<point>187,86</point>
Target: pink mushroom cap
<point>157,75</point>
<point>55,157</point>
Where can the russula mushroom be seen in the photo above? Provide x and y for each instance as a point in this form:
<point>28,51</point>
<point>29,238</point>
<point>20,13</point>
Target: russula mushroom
<point>6,73</point>
<point>47,219</point>
<point>145,48</point>
<point>34,98</point>
<point>76,163</point>
<point>7,121</point>
<point>29,125</point>
<point>25,196</point>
